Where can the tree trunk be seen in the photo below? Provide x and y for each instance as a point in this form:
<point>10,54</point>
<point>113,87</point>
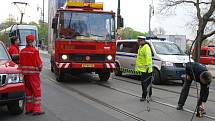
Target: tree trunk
<point>198,40</point>
<point>197,48</point>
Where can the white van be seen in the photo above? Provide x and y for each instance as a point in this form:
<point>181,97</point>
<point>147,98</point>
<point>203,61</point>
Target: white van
<point>168,59</point>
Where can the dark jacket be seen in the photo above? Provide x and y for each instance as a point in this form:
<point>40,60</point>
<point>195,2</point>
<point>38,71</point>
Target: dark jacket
<point>196,68</point>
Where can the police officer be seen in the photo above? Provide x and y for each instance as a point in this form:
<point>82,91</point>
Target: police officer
<point>14,47</point>
<point>199,73</point>
<point>31,65</point>
<point>144,65</point>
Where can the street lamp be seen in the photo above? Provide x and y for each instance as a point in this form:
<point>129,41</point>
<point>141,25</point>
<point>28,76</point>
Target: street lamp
<point>21,10</point>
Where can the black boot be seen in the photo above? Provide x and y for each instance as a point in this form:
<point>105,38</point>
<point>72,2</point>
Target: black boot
<point>179,107</point>
<point>142,99</point>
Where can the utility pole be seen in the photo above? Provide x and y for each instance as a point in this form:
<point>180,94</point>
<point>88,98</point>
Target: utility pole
<point>21,10</point>
<point>42,24</point>
<point>151,11</point>
<point>118,15</point>
<point>43,40</point>
<point>43,13</point>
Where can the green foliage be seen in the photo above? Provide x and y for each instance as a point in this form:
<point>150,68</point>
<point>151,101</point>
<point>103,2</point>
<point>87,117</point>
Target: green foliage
<point>9,22</point>
<point>43,32</point>
<point>5,24</point>
<point>33,23</point>
<point>129,33</point>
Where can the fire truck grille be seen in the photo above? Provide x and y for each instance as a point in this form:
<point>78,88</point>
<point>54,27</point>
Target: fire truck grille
<point>3,78</point>
<point>83,57</point>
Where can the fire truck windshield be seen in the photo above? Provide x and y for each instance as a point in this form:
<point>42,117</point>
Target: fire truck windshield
<point>86,26</point>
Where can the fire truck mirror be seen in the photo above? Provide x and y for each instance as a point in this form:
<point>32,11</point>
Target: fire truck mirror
<point>54,23</point>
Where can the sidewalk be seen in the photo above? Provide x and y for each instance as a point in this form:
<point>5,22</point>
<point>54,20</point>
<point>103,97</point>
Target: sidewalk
<point>43,51</point>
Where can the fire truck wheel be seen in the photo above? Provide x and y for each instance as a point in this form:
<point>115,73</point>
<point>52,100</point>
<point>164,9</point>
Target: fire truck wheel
<point>52,68</point>
<point>60,76</point>
<point>117,71</point>
<point>16,107</point>
<point>104,75</point>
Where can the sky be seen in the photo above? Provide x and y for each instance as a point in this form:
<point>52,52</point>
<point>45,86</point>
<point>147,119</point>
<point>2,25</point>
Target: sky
<point>134,12</point>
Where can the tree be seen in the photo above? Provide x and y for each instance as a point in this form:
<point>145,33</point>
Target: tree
<point>205,17</point>
<point>159,31</point>
<point>43,32</point>
<point>5,24</point>
<point>129,33</point>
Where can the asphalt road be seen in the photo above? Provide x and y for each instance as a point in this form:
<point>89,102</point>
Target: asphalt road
<point>84,98</point>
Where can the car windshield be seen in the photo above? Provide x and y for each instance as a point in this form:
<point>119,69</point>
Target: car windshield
<point>23,33</point>
<point>165,48</point>
<point>3,53</point>
<point>86,26</point>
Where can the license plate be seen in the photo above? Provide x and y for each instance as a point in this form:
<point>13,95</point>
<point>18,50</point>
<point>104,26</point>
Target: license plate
<point>87,65</point>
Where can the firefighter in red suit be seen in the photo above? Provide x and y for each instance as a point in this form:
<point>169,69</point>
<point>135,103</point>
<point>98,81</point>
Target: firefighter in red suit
<point>14,48</point>
<point>31,65</point>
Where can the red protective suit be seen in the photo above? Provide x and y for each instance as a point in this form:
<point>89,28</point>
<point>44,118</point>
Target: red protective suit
<point>31,65</point>
<point>13,50</point>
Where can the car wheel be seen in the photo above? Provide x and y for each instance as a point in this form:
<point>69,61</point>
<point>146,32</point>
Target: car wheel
<point>157,79</point>
<point>117,71</point>
<point>16,107</point>
<point>104,75</point>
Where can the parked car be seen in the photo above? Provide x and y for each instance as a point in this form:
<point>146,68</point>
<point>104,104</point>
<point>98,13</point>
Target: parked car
<point>12,91</point>
<point>168,59</point>
<point>207,55</point>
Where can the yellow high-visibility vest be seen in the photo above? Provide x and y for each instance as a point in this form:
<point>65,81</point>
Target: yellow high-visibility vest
<point>144,59</point>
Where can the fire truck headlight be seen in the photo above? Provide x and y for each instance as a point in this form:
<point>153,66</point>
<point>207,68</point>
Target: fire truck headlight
<point>14,78</point>
<point>64,57</point>
<point>109,57</point>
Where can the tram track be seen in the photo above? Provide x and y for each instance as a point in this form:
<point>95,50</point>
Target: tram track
<point>153,100</point>
<point>117,109</point>
<point>159,88</point>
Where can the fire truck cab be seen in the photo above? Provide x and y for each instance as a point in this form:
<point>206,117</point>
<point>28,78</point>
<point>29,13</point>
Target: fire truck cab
<point>207,55</point>
<point>83,40</point>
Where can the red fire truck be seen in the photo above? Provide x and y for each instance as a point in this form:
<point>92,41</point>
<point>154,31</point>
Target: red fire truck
<point>82,39</point>
<point>207,55</point>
